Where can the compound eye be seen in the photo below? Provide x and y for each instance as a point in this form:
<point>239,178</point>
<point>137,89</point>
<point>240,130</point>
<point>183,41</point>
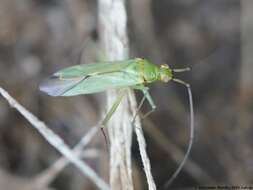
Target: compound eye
<point>164,66</point>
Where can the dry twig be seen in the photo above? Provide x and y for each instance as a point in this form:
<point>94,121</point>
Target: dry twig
<point>55,141</point>
<point>113,32</point>
<point>48,175</point>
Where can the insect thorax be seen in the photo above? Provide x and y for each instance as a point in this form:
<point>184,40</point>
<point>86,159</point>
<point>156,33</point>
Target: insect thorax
<point>148,72</point>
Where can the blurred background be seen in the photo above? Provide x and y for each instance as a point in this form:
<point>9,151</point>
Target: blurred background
<point>214,37</point>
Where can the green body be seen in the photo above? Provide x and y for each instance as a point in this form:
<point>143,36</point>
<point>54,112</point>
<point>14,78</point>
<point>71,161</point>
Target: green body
<point>98,77</point>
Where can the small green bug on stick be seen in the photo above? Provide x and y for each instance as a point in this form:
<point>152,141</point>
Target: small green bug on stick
<point>134,73</point>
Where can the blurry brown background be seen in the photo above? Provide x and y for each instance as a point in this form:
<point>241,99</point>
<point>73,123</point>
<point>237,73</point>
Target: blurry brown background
<point>38,37</point>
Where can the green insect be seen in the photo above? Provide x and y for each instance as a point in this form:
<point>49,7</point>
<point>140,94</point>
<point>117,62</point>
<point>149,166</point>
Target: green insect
<point>98,77</point>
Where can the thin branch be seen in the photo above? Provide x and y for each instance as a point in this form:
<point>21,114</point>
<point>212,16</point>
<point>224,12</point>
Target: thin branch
<point>114,41</point>
<point>55,141</point>
<point>48,175</point>
<point>113,30</point>
<point>142,146</point>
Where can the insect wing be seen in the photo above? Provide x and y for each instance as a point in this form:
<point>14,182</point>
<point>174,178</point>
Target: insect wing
<point>92,69</point>
<point>62,82</point>
<point>55,86</point>
<point>102,82</point>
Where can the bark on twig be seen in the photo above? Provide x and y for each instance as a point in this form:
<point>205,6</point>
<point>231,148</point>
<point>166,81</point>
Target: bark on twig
<point>142,147</point>
<point>113,33</point>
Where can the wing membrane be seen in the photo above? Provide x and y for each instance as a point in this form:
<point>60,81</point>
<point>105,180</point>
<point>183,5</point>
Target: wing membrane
<point>54,86</point>
<point>92,69</point>
<point>89,78</point>
<point>102,82</point>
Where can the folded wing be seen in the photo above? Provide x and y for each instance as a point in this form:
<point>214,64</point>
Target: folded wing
<point>92,69</point>
<point>89,84</point>
<point>86,78</point>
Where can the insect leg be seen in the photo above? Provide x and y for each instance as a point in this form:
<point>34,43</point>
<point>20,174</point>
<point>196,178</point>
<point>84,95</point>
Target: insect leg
<point>150,100</point>
<point>138,108</point>
<point>147,96</point>
<point>110,113</point>
<point>113,108</point>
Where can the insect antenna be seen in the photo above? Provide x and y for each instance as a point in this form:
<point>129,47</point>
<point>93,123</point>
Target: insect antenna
<point>181,70</point>
<point>169,182</point>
